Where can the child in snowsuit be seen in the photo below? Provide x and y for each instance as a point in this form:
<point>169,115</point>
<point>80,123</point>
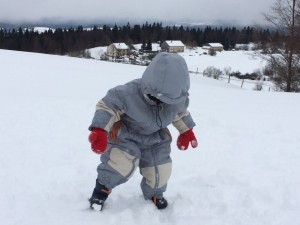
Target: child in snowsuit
<point>129,129</point>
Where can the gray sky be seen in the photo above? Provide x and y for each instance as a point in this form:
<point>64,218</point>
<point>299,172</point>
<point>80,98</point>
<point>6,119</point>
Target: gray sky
<point>242,11</point>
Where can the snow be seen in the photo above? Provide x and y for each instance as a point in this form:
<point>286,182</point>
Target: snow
<point>42,29</point>
<point>175,43</point>
<point>97,52</point>
<point>215,45</point>
<point>243,61</point>
<point>245,170</point>
<point>120,45</point>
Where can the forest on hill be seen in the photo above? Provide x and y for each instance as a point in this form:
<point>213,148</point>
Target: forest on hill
<point>65,40</point>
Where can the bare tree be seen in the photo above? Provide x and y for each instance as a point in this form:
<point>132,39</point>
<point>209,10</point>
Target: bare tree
<point>285,17</point>
<point>212,72</point>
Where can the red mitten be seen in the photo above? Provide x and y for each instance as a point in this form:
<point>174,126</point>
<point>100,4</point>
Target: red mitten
<point>98,140</point>
<point>186,138</point>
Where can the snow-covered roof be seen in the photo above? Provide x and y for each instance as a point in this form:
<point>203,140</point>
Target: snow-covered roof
<point>215,45</point>
<point>175,43</point>
<point>120,45</point>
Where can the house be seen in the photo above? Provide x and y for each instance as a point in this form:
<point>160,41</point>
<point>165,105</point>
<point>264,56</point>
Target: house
<point>172,46</point>
<point>117,50</point>
<point>214,46</point>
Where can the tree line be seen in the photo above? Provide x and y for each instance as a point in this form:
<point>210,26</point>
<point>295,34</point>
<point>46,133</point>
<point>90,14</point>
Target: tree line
<point>66,40</point>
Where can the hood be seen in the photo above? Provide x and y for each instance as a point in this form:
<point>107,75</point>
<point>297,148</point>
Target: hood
<point>167,78</point>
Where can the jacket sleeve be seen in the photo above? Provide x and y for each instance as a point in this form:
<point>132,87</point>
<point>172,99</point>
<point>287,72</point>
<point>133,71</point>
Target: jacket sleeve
<point>183,121</point>
<point>108,111</point>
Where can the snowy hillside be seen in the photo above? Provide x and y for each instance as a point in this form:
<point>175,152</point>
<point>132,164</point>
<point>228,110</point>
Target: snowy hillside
<point>244,172</point>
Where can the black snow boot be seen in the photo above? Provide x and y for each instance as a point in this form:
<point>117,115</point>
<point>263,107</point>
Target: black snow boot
<point>160,203</point>
<point>99,196</point>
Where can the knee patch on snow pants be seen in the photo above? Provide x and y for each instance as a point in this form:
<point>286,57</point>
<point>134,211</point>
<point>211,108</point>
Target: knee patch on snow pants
<point>156,168</point>
<point>116,168</point>
<point>157,177</point>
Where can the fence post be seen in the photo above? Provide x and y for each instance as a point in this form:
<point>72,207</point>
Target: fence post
<point>229,79</point>
<point>242,83</point>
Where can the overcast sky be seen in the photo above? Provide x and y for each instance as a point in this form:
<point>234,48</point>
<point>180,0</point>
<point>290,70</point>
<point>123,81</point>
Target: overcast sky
<point>35,11</point>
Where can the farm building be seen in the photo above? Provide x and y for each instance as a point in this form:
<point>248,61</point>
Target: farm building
<point>214,46</point>
<point>117,49</point>
<point>172,46</point>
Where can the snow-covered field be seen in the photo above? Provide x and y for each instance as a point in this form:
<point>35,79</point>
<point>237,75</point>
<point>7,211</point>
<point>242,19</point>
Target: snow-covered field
<point>245,171</point>
<point>243,61</point>
<point>234,61</point>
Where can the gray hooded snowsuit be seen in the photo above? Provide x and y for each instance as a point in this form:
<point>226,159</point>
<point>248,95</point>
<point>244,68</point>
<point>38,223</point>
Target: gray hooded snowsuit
<point>137,126</point>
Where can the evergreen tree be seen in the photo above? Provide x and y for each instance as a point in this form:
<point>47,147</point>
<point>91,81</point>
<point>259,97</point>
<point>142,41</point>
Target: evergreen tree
<point>143,47</point>
<point>149,46</point>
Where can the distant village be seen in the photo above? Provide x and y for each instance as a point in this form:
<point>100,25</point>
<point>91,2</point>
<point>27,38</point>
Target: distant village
<point>142,55</point>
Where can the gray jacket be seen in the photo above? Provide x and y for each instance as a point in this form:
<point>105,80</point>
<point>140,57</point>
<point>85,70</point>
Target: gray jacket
<point>166,78</point>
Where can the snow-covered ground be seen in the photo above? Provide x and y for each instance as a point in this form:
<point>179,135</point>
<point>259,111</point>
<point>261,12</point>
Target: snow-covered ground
<point>97,52</point>
<point>243,61</point>
<point>244,172</point>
